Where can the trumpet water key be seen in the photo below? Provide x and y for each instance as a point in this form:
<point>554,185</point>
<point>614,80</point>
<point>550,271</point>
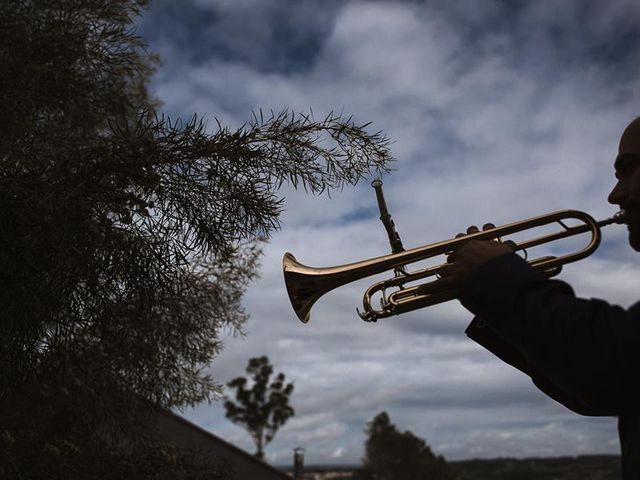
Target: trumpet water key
<point>305,285</point>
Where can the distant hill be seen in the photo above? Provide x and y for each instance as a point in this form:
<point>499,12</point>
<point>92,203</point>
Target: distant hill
<point>586,467</point>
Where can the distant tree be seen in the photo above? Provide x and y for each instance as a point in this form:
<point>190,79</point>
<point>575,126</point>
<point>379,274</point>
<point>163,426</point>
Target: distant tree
<point>394,455</point>
<point>260,407</point>
<point>127,238</point>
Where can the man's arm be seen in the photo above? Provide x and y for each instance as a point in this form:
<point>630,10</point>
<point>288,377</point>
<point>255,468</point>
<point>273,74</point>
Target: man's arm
<point>582,353</point>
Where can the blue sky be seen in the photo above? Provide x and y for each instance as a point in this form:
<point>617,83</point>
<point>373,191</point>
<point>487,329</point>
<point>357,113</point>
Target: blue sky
<point>499,111</point>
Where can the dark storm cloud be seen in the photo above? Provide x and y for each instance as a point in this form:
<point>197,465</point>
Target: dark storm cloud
<point>268,36</point>
<point>547,34</point>
<point>456,395</point>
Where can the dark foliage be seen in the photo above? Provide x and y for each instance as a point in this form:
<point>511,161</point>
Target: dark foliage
<point>261,406</point>
<point>127,239</point>
<point>66,430</point>
<point>122,226</point>
<point>586,467</point>
<point>394,455</point>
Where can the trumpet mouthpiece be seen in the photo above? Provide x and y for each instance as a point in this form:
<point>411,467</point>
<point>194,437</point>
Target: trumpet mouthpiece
<point>620,217</point>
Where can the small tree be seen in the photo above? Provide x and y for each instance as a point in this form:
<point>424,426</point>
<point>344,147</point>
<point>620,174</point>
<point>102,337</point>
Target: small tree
<point>394,455</point>
<point>264,407</point>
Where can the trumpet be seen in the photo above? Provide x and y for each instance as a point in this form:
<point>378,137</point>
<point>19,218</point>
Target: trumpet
<point>305,285</point>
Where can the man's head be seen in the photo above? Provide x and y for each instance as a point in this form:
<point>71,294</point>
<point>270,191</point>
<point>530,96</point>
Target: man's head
<point>626,192</point>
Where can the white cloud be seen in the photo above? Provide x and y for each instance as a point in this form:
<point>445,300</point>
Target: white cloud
<point>338,452</point>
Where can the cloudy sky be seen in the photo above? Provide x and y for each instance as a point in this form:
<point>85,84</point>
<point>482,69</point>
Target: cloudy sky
<point>499,111</point>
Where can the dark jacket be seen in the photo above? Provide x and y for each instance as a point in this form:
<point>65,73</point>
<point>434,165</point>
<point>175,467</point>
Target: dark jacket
<point>584,354</point>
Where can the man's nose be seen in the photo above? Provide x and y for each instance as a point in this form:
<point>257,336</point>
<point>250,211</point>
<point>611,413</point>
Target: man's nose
<point>617,195</point>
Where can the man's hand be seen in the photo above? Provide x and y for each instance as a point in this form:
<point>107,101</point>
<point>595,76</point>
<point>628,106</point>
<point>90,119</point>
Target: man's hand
<point>471,255</point>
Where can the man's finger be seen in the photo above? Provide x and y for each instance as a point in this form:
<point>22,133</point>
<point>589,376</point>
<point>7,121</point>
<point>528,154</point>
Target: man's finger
<point>511,244</point>
<point>446,270</point>
<point>441,285</point>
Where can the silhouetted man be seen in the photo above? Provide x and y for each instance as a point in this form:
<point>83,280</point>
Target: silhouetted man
<point>583,353</point>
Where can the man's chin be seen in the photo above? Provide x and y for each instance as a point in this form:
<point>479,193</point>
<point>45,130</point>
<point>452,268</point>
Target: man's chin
<point>634,238</point>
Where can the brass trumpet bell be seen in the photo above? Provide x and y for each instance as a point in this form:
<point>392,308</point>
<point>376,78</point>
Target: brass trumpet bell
<point>304,285</point>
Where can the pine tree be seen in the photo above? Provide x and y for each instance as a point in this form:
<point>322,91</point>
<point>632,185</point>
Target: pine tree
<point>394,455</point>
<point>128,238</point>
